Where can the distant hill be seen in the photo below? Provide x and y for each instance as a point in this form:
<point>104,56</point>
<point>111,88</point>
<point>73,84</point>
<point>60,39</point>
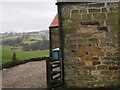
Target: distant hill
<point>41,33</point>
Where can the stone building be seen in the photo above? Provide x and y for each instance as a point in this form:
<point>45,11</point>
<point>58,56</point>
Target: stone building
<point>89,45</point>
<point>54,34</point>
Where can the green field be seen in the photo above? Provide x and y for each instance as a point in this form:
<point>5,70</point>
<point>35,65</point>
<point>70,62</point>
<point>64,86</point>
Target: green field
<point>28,40</point>
<point>7,53</point>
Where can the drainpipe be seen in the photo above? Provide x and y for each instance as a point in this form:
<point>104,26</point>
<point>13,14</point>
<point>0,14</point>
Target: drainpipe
<point>61,33</point>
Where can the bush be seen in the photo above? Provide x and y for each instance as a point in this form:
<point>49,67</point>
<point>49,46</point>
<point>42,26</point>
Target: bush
<point>14,42</point>
<point>32,39</point>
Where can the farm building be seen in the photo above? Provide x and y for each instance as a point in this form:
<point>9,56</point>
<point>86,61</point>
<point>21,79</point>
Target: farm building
<point>54,66</point>
<point>89,44</point>
<point>54,34</point>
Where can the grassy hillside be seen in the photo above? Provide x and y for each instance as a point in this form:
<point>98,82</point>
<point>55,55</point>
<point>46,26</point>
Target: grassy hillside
<point>7,53</point>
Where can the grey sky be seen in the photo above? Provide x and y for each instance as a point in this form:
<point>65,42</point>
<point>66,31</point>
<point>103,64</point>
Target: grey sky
<point>27,15</point>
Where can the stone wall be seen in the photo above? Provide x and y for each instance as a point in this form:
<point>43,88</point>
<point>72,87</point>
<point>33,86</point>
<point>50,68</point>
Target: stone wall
<point>90,44</point>
<point>54,37</point>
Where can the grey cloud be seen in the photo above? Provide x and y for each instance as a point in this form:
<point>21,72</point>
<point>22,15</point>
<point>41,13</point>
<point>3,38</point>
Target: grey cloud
<point>25,16</point>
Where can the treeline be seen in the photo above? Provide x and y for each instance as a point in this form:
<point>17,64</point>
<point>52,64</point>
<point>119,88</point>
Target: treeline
<point>13,42</point>
<point>38,45</point>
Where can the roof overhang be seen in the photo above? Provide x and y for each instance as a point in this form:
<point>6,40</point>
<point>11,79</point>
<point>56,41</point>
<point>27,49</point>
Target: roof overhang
<point>58,1</point>
<point>53,26</point>
<point>55,22</point>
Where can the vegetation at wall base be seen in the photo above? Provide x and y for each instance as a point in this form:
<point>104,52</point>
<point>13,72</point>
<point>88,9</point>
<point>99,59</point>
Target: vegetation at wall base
<point>15,63</point>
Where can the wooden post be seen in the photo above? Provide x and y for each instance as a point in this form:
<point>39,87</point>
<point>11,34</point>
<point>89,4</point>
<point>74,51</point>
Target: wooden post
<point>48,72</point>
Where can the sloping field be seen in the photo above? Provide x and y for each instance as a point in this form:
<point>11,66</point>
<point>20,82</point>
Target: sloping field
<point>7,53</point>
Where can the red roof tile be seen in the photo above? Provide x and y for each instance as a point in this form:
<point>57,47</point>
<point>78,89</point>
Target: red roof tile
<point>54,22</point>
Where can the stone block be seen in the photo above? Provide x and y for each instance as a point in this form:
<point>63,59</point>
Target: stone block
<point>88,63</point>
<point>107,73</point>
<point>115,58</point>
<point>83,10</point>
<point>81,40</point>
<point>75,15</point>
<point>89,22</point>
<point>112,19</point>
<point>102,22</point>
<point>97,51</point>
<point>72,85</point>
<point>116,73</point>
<point>113,9</point>
<point>78,53</point>
<point>109,62</point>
<point>93,39</point>
<point>82,63</point>
<point>86,77</point>
<point>68,24</point>
<point>99,35</point>
<point>106,58</point>
<point>86,17</point>
<point>66,14</point>
<point>102,67</point>
<point>85,35</point>
<point>82,72</point>
<point>94,10</point>
<point>95,58</point>
<point>118,63</point>
<point>116,54</point>
<point>89,67</point>
<point>96,62</point>
<point>88,44</point>
<point>108,54</point>
<point>99,16</point>
<point>104,9</point>
<point>112,4</point>
<point>114,42</point>
<point>113,67</point>
<point>97,5</point>
<point>69,29</point>
<point>86,58</point>
<point>103,28</point>
<point>81,35</point>
<point>95,72</point>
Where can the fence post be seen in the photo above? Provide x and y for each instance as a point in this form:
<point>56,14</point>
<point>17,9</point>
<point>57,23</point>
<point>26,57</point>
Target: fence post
<point>48,71</point>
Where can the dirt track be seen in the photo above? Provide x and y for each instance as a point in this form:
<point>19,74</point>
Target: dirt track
<point>29,75</point>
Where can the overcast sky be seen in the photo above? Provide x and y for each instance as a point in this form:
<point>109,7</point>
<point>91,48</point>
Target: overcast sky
<point>26,15</point>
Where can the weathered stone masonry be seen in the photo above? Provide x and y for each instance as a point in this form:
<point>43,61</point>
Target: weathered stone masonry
<point>54,37</point>
<point>91,51</point>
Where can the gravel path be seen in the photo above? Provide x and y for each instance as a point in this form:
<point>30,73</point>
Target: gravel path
<point>29,75</point>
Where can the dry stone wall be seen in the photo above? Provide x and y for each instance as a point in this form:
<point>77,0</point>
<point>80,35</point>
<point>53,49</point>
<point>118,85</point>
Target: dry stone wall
<point>91,46</point>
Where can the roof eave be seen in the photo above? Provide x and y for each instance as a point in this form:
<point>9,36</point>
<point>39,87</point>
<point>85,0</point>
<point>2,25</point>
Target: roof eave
<point>84,1</point>
<point>87,1</point>
<point>53,27</point>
